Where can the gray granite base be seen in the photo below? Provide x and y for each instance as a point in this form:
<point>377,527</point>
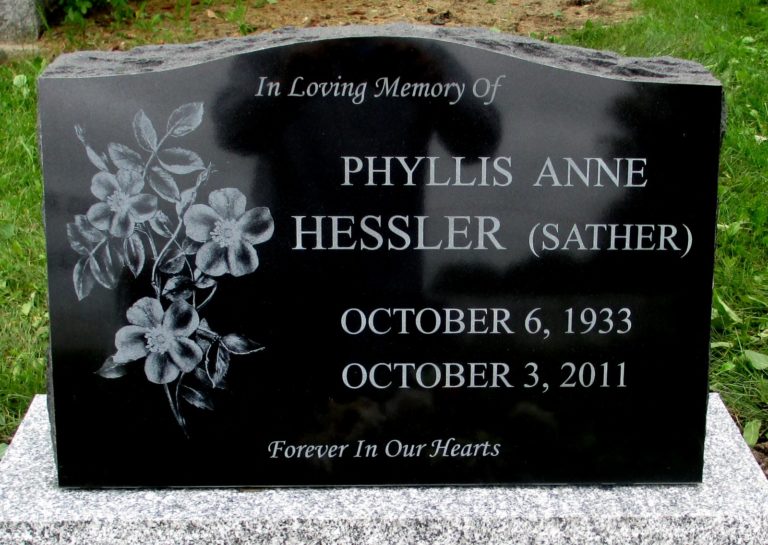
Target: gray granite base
<point>729,507</point>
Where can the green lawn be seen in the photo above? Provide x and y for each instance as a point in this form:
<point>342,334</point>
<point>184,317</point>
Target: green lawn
<point>23,307</point>
<point>730,37</point>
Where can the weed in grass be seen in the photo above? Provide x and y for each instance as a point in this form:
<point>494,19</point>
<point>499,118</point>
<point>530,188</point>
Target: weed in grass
<point>237,15</point>
<point>143,21</point>
<point>752,432</point>
<point>183,10</point>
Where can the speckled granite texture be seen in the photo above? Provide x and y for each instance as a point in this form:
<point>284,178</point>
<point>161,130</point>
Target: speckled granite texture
<point>19,21</point>
<point>168,57</point>
<point>730,507</point>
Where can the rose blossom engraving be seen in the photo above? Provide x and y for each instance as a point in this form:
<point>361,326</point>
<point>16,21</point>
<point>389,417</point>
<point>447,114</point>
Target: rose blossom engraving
<point>183,254</point>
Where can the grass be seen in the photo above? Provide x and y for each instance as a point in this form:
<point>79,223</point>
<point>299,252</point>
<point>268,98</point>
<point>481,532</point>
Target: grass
<point>23,313</point>
<point>728,36</point>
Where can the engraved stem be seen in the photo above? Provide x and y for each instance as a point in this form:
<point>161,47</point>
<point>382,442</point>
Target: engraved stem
<point>175,409</point>
<point>207,299</point>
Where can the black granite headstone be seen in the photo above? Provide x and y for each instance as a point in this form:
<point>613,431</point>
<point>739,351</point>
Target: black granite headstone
<point>378,256</point>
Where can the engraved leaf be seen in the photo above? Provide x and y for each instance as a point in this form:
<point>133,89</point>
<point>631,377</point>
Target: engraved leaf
<point>203,281</point>
<point>106,265</point>
<point>178,288</point>
<point>185,119</point>
<point>196,398</point>
<point>112,369</point>
<point>204,345</point>
<point>135,255</point>
<point>99,161</point>
<point>222,366</point>
<point>82,276</point>
<point>82,236</point>
<point>238,344</point>
<point>200,374</point>
<point>180,160</point>
<point>164,184</point>
<point>173,261</point>
<point>203,372</point>
<point>757,360</point>
<point>190,247</point>
<point>75,240</point>
<point>203,176</point>
<point>161,224</point>
<point>124,157</point>
<point>144,131</point>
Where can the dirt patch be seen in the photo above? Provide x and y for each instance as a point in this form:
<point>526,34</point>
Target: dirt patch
<point>159,21</point>
<point>518,16</point>
<point>761,455</point>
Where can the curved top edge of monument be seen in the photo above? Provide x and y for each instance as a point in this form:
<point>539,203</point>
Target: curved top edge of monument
<point>157,58</point>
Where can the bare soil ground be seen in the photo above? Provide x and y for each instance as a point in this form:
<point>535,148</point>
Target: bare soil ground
<point>518,16</point>
<point>187,20</point>
<point>761,455</point>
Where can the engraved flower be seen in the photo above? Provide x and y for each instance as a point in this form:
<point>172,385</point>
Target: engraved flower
<point>160,336</point>
<point>122,203</point>
<point>228,233</point>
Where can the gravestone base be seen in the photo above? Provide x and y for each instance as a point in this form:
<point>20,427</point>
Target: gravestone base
<point>729,507</point>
